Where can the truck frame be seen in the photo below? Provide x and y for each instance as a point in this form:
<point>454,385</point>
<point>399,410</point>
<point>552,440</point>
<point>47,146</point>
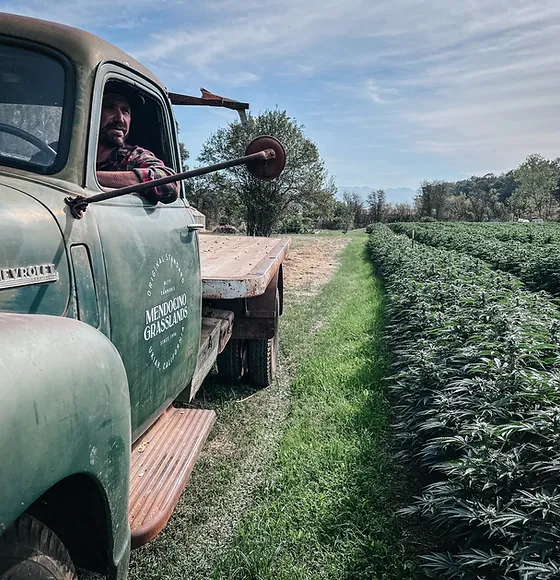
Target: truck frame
<point>113,310</point>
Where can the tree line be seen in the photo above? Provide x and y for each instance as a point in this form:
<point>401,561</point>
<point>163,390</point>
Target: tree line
<point>304,197</point>
<point>530,192</point>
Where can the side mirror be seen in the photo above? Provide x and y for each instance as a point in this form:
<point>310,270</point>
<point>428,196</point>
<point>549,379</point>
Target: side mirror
<point>268,168</point>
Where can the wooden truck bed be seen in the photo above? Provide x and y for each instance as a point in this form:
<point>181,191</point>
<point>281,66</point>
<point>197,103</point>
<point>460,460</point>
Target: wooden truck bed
<point>238,266</point>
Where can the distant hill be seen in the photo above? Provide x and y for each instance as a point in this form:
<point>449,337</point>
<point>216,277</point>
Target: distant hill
<point>394,194</point>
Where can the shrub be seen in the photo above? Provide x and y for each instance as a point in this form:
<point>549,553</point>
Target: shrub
<point>224,229</point>
<point>476,385</point>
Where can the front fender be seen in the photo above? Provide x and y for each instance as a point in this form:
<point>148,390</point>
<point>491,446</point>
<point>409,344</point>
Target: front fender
<point>64,410</point>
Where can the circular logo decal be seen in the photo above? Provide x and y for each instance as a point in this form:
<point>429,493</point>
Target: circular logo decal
<point>165,320</point>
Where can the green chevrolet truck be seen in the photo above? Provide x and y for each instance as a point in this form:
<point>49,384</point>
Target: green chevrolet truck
<point>113,309</point>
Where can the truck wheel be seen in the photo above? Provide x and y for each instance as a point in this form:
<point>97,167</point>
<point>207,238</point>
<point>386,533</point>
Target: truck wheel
<point>262,355</point>
<point>231,361</point>
<point>262,358</point>
<point>31,551</point>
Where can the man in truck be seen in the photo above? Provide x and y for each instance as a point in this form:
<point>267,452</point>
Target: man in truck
<point>119,164</point>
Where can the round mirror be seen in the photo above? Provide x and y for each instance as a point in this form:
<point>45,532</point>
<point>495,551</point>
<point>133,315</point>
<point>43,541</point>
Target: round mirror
<point>269,168</point>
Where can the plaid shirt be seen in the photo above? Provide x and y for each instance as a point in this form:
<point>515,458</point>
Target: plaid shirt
<point>147,168</point>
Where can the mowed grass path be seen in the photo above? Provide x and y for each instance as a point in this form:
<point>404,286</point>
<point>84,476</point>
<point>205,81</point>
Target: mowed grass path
<point>327,507</point>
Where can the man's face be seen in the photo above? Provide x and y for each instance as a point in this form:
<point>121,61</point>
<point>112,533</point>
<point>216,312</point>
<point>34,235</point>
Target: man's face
<point>115,121</point>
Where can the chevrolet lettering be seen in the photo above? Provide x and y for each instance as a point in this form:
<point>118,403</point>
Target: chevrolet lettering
<point>27,275</point>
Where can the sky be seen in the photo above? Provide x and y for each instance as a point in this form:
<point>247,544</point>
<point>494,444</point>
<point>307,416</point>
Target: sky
<point>393,92</point>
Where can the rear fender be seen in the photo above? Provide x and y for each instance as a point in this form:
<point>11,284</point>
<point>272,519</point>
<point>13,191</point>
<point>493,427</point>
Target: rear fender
<point>64,410</point>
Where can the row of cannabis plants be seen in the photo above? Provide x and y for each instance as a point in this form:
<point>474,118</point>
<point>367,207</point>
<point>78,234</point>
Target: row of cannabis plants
<point>538,266</point>
<point>476,389</point>
<point>528,233</point>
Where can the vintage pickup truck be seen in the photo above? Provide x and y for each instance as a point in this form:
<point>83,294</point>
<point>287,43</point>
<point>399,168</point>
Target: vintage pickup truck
<point>113,310</point>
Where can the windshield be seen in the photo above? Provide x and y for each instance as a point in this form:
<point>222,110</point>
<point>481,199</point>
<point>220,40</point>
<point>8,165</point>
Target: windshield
<point>31,99</point>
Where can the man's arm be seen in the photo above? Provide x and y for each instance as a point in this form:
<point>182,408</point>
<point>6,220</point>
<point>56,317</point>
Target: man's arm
<point>142,166</point>
<point>117,178</point>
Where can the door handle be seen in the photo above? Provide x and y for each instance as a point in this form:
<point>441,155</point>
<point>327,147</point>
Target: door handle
<point>186,233</point>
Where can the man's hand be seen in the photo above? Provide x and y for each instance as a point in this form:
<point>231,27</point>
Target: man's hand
<point>117,179</point>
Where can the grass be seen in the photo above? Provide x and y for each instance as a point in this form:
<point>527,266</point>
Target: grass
<point>234,464</point>
<point>326,509</point>
<point>296,481</point>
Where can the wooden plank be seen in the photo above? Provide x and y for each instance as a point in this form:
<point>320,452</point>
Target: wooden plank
<point>239,266</point>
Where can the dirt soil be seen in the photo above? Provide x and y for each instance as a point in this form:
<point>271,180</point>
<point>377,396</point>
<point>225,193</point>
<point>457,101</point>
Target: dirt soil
<point>311,262</point>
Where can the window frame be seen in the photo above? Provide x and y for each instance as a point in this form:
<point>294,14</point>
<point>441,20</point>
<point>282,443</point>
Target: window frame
<point>68,105</point>
<point>112,71</point>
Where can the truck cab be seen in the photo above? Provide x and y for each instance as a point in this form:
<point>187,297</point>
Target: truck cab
<point>108,321</point>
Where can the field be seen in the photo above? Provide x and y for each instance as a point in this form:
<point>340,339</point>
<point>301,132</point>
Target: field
<point>473,329</point>
<point>529,251</point>
<point>413,432</point>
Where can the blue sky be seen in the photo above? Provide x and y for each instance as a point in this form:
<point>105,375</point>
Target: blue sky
<point>393,92</point>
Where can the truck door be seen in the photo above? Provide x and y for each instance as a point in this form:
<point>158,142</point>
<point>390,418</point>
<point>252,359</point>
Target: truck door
<point>153,277</point>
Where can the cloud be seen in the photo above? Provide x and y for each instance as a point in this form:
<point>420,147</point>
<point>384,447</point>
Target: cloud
<point>478,77</point>
<point>495,95</point>
<point>84,14</point>
<point>378,94</point>
<point>469,83</point>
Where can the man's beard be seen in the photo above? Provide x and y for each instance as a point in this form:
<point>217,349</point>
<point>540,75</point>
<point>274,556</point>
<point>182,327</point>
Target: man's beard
<point>109,137</point>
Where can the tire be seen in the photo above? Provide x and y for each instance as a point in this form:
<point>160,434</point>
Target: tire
<point>262,359</point>
<point>262,355</point>
<point>31,551</point>
<point>231,361</point>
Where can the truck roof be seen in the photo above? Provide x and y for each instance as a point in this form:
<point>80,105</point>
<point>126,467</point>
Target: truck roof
<point>83,48</point>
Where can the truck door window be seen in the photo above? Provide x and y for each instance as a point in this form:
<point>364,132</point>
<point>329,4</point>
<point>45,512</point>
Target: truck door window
<point>32,91</point>
<point>147,122</point>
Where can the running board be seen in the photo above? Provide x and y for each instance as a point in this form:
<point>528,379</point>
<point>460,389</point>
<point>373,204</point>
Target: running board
<point>161,463</point>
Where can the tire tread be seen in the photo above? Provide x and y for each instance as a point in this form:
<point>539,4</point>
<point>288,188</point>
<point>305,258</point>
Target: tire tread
<point>28,538</point>
<point>260,361</point>
<point>231,361</point>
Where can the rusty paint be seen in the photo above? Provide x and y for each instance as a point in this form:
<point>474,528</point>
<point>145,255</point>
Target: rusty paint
<point>160,472</point>
<point>207,99</point>
<point>226,326</point>
<point>271,167</point>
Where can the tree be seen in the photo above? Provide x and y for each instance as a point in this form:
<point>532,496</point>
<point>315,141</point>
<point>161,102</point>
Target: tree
<point>505,185</point>
<point>482,195</point>
<point>432,197</point>
<point>215,201</point>
<point>355,208</point>
<point>184,153</point>
<point>302,185</point>
<point>459,208</point>
<point>401,212</point>
<point>536,180</point>
<point>555,164</point>
<point>342,218</point>
<point>377,205</point>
